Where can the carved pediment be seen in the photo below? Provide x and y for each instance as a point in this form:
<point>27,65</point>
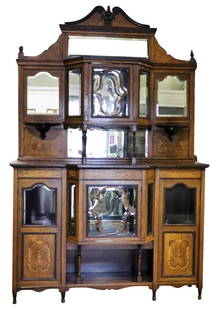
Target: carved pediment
<point>101,19</point>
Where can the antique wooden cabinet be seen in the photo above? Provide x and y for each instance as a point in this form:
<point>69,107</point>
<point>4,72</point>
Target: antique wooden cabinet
<point>107,190</point>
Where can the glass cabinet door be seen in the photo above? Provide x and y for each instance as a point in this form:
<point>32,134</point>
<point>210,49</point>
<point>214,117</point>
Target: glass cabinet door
<point>110,92</point>
<point>111,211</point>
<point>42,94</point>
<point>40,204</point>
<point>171,96</point>
<point>180,199</point>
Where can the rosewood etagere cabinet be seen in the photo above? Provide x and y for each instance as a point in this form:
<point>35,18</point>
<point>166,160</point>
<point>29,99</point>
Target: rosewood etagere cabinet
<point>107,190</point>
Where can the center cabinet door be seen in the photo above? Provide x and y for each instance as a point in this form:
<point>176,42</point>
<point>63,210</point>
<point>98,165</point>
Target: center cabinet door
<point>179,229</point>
<point>39,218</point>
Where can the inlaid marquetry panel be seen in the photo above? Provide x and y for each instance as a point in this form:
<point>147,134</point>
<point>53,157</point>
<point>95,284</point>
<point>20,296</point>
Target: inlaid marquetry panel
<point>39,256</point>
<point>178,255</point>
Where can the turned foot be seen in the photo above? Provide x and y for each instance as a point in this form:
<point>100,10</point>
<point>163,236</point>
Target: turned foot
<point>14,298</point>
<point>63,297</point>
<point>190,285</point>
<point>154,294</point>
<point>199,293</point>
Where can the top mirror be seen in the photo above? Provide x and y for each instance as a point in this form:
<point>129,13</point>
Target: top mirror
<point>42,94</point>
<point>107,46</point>
<point>171,97</point>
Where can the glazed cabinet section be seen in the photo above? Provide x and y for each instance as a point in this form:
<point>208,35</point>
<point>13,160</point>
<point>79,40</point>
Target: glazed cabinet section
<point>37,228</point>
<point>179,226</point>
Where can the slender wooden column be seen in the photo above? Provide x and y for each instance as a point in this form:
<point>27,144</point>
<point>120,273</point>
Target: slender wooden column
<point>78,279</point>
<point>139,275</point>
<point>84,144</point>
<point>134,144</point>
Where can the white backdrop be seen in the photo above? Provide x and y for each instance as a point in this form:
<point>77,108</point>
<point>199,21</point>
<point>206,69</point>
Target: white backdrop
<point>182,26</point>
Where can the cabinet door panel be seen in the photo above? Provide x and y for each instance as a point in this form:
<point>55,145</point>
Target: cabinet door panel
<point>178,255</point>
<point>39,256</point>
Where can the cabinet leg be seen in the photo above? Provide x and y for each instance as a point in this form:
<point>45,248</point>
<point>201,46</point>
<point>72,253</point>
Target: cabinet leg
<point>14,297</point>
<point>199,292</point>
<point>63,297</point>
<point>154,294</point>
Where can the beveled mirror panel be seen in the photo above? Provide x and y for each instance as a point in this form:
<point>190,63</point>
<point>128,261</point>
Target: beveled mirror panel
<point>39,205</point>
<point>180,202</point>
<point>171,97</point>
<point>42,94</point>
<point>74,92</point>
<point>110,92</point>
<point>143,95</point>
<point>111,211</point>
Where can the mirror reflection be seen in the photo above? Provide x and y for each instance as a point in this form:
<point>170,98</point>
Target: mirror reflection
<point>42,94</point>
<point>143,94</point>
<point>171,97</point>
<point>112,211</point>
<point>74,92</point>
<point>72,209</point>
<point>110,94</point>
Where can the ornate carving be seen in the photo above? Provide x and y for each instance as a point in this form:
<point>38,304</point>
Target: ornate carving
<point>101,19</point>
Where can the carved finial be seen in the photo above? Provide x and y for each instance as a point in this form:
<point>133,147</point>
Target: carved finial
<point>108,15</point>
<point>192,58</point>
<point>21,53</point>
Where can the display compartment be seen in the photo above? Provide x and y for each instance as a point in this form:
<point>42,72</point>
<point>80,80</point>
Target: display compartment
<point>109,264</point>
<point>172,96</point>
<point>43,95</point>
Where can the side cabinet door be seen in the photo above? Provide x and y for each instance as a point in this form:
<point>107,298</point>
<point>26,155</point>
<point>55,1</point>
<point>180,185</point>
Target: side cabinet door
<point>39,240</point>
<point>179,230</point>
<point>178,254</point>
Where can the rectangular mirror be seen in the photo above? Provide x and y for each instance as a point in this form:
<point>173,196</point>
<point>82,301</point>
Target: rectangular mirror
<point>42,94</point>
<point>111,210</point>
<point>143,95</point>
<point>171,97</point>
<point>102,46</point>
<point>74,92</point>
<point>110,92</point>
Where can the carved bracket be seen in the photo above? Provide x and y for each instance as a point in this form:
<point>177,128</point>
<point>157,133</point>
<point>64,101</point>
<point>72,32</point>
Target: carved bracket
<point>170,130</point>
<point>42,128</point>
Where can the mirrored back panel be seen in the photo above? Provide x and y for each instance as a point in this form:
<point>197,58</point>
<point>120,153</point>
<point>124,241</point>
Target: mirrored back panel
<point>111,210</point>
<point>171,97</point>
<point>42,94</point>
<point>107,143</point>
